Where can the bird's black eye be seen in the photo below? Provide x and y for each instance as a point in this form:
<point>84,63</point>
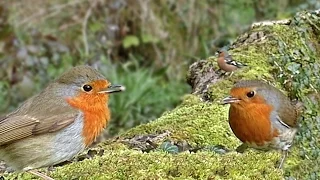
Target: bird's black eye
<point>250,94</point>
<point>87,88</point>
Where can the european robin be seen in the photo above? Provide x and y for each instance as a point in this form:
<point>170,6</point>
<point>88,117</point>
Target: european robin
<point>262,117</point>
<point>59,122</point>
<point>226,63</point>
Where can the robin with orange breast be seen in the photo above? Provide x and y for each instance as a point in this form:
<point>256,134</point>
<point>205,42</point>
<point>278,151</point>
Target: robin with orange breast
<point>226,63</point>
<point>59,122</point>
<point>262,117</point>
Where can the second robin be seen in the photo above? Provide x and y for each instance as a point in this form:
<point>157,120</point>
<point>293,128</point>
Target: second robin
<point>59,122</point>
<point>226,63</point>
<point>262,117</point>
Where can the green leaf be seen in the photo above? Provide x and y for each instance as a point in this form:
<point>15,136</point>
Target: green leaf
<point>294,67</point>
<point>169,148</point>
<point>148,38</point>
<point>130,41</point>
<point>95,27</point>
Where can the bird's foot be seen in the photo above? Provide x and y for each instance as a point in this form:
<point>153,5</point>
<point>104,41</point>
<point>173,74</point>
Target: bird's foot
<point>284,156</point>
<point>221,73</point>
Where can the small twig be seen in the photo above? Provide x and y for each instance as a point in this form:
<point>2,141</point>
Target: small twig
<point>84,28</point>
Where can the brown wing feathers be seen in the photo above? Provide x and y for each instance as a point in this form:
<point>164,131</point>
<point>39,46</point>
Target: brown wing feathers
<point>15,127</point>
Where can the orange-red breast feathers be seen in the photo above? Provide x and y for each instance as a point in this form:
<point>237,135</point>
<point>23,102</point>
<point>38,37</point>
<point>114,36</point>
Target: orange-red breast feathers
<point>94,106</point>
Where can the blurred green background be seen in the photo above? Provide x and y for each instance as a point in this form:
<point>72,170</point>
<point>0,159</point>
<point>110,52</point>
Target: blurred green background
<point>143,44</point>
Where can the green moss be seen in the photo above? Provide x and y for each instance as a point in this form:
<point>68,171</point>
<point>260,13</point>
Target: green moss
<point>199,124</point>
<point>158,165</point>
<point>190,99</point>
<point>297,60</point>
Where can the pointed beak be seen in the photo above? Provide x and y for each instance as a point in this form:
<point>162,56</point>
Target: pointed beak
<point>229,100</point>
<point>113,89</point>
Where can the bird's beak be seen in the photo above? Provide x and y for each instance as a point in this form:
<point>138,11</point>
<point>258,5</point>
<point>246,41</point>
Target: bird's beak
<point>113,89</point>
<point>229,100</point>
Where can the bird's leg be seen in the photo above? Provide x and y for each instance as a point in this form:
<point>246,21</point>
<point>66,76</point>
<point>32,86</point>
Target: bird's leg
<point>231,74</point>
<point>284,156</point>
<point>43,176</point>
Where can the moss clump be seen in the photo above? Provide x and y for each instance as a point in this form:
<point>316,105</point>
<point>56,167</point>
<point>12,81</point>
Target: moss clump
<point>297,68</point>
<point>130,164</point>
<point>200,124</point>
